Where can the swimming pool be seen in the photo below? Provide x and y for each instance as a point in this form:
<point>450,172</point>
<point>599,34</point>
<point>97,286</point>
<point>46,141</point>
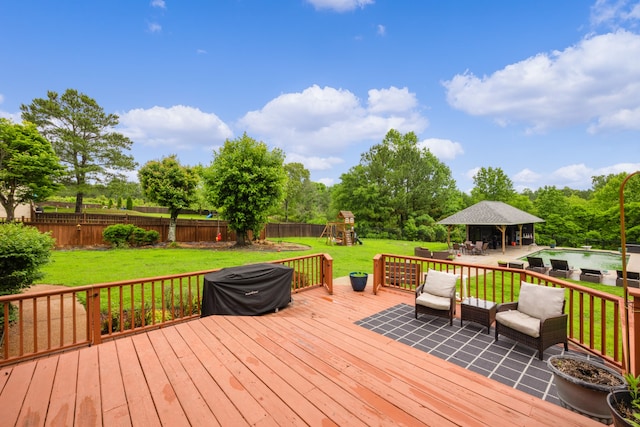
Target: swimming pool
<point>576,258</point>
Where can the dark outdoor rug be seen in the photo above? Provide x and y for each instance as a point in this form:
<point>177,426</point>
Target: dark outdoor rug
<point>470,347</point>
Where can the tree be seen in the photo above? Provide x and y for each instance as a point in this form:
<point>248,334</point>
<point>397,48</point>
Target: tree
<point>81,135</point>
<point>246,180</point>
<point>492,184</point>
<point>169,184</point>
<point>28,166</point>
<point>297,181</point>
<point>396,180</point>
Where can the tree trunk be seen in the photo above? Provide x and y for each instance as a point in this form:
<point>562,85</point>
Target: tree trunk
<point>241,238</point>
<point>79,199</point>
<point>171,237</point>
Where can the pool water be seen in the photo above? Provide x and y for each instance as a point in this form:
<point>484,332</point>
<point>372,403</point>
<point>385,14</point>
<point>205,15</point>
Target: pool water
<point>596,260</point>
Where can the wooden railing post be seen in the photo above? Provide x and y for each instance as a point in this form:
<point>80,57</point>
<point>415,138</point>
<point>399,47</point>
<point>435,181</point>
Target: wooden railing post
<point>327,273</point>
<point>634,335</point>
<point>378,273</point>
<point>94,316</point>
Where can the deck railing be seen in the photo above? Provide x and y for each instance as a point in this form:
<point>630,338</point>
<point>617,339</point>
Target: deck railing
<point>594,316</point>
<point>51,321</point>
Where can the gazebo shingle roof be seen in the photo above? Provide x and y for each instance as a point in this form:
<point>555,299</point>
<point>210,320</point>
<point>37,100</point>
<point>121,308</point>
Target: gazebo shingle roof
<point>490,213</point>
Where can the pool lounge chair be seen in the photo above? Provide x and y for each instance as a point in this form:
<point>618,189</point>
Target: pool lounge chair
<point>537,264</point>
<point>560,268</point>
<point>633,279</point>
<point>591,275</point>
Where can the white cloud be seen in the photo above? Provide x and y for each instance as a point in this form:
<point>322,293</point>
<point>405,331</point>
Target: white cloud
<point>1,98</point>
<point>443,149</point>
<point>527,176</point>
<point>314,162</point>
<point>597,79</point>
<point>625,119</point>
<point>613,13</point>
<point>472,172</point>
<point>158,3</point>
<point>340,5</point>
<point>331,119</point>
<point>177,128</point>
<point>154,27</point>
<point>381,30</point>
<point>201,51</point>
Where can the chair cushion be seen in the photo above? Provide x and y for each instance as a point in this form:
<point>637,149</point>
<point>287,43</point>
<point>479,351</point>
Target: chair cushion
<point>440,283</point>
<point>540,301</point>
<point>519,321</point>
<point>433,301</point>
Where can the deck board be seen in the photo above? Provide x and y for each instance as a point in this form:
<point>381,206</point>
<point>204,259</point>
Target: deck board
<point>307,364</point>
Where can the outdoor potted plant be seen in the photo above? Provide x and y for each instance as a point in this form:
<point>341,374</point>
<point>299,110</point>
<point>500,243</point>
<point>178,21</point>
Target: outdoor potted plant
<point>358,280</point>
<point>625,404</point>
<point>552,244</point>
<point>583,385</point>
<point>502,263</point>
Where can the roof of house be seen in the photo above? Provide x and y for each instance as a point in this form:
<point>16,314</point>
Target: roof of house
<point>490,213</point>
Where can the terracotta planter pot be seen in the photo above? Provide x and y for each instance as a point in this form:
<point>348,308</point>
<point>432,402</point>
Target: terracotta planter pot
<point>581,396</point>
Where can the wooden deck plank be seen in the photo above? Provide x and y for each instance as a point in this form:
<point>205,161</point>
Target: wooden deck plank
<point>62,403</point>
<point>88,397</point>
<point>193,403</point>
<point>36,402</point>
<point>307,364</point>
<point>204,347</point>
<point>141,407</point>
<point>164,396</point>
<point>246,379</point>
<point>115,410</point>
<point>14,393</point>
<point>256,359</point>
<point>364,382</point>
<point>281,362</point>
<point>223,409</point>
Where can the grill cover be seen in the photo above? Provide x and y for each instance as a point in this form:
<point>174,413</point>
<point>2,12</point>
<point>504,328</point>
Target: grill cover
<point>248,290</point>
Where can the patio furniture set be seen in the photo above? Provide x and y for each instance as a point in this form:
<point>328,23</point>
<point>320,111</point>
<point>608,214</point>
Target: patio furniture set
<point>537,319</point>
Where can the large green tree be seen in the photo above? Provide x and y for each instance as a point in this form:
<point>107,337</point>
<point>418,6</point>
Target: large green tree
<point>171,185</point>
<point>246,180</point>
<point>492,184</point>
<point>28,166</point>
<point>397,180</point>
<point>82,136</point>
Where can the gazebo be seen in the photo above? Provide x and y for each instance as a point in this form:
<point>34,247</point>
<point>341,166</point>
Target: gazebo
<point>498,223</point>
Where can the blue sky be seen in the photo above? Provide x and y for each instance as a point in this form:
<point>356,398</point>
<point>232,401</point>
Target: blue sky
<point>547,90</point>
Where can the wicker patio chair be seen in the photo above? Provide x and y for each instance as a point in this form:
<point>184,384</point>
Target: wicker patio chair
<point>633,279</point>
<point>436,296</point>
<point>536,320</point>
<point>591,275</point>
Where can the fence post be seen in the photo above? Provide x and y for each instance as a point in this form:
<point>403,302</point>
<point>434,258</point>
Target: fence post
<point>378,273</point>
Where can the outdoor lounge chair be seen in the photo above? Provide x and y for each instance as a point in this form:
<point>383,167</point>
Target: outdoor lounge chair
<point>560,268</point>
<point>537,319</point>
<point>633,279</point>
<point>436,296</point>
<point>591,275</point>
<point>537,264</point>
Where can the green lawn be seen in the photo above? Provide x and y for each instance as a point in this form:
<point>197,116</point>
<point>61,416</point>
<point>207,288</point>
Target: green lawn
<point>86,267</point>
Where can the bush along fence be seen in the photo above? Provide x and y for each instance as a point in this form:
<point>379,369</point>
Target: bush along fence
<point>77,230</point>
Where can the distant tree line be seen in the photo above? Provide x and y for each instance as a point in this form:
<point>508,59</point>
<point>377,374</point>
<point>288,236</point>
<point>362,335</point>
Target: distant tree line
<point>67,147</point>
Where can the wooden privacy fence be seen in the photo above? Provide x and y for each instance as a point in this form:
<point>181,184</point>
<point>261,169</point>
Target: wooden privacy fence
<point>51,321</point>
<point>73,230</point>
<point>594,316</point>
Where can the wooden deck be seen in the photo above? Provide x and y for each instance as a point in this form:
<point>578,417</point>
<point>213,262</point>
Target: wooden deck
<point>305,365</point>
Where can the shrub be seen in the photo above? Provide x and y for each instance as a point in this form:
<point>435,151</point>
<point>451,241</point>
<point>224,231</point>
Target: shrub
<point>23,250</point>
<point>125,235</point>
<point>129,204</point>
